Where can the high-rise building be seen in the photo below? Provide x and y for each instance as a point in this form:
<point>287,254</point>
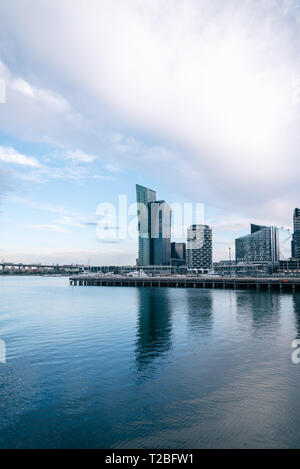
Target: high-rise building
<point>178,254</point>
<point>143,197</point>
<point>178,251</point>
<point>199,247</point>
<point>296,235</point>
<point>261,245</point>
<point>154,228</point>
<point>160,221</point>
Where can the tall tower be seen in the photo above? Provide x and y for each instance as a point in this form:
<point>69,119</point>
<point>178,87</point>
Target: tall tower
<point>160,247</point>
<point>296,235</point>
<point>199,247</point>
<point>144,197</point>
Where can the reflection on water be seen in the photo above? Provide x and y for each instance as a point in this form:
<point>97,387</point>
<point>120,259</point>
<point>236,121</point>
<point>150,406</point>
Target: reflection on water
<point>199,311</point>
<point>154,325</point>
<point>264,306</point>
<point>147,368</point>
<point>296,303</point>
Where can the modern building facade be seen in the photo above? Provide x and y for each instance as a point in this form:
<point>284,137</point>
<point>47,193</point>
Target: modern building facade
<point>160,243</point>
<point>154,229</point>
<point>144,197</point>
<point>296,235</point>
<point>243,268</point>
<point>178,251</point>
<point>178,254</point>
<point>262,245</point>
<point>289,265</point>
<point>199,247</point>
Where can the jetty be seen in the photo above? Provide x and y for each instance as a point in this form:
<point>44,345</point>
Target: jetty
<point>291,284</point>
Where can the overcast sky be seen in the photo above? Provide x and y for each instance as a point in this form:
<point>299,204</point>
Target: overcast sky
<point>196,99</point>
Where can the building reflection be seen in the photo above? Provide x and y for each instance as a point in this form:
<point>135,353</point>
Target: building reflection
<point>296,305</point>
<point>200,307</point>
<point>154,326</point>
<point>264,306</point>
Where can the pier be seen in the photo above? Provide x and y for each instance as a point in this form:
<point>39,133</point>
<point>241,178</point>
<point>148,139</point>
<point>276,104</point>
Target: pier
<point>266,283</point>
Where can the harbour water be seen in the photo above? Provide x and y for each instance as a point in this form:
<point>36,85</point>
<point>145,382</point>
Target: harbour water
<point>115,367</point>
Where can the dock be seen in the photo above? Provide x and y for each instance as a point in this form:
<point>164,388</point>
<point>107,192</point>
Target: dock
<point>290,284</point>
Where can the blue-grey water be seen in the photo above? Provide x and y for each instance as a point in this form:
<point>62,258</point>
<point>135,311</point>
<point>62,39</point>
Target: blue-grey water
<point>119,367</point>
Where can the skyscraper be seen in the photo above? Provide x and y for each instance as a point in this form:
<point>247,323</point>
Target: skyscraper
<point>199,247</point>
<point>178,254</point>
<point>261,245</point>
<point>154,227</point>
<point>160,246</point>
<point>296,235</point>
<point>178,251</point>
<point>143,197</point>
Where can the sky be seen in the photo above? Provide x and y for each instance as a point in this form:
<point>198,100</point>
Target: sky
<point>196,99</point>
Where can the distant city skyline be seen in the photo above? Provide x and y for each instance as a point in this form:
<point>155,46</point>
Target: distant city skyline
<point>208,112</point>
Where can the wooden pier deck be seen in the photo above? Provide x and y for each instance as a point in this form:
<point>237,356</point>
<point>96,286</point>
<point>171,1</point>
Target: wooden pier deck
<point>291,284</point>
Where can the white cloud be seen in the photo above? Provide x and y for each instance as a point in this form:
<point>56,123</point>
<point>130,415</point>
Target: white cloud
<point>77,221</point>
<point>113,168</point>
<point>55,228</point>
<point>23,87</point>
<point>58,209</point>
<point>102,177</point>
<point>214,78</point>
<point>43,174</point>
<point>36,113</point>
<point>67,217</point>
<point>42,96</point>
<point>10,155</point>
<point>78,156</point>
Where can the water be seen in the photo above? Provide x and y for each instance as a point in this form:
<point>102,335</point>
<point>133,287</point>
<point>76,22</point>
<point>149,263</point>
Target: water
<point>119,367</point>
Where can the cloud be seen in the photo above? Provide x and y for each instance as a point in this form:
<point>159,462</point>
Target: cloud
<point>78,156</point>
<point>77,221</point>
<point>42,96</point>
<point>66,216</point>
<point>44,173</point>
<point>201,94</point>
<point>40,206</point>
<point>101,176</point>
<point>35,113</point>
<point>10,155</point>
<point>113,168</point>
<point>56,228</point>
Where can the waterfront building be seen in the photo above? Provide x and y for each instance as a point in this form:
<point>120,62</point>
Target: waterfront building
<point>262,245</point>
<point>253,269</point>
<point>154,228</point>
<point>199,247</point>
<point>160,221</point>
<point>178,251</point>
<point>150,270</point>
<point>178,254</point>
<point>296,235</point>
<point>289,265</point>
<point>144,197</point>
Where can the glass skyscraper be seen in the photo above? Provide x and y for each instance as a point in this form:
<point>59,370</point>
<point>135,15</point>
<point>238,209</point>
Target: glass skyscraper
<point>154,228</point>
<point>160,246</point>
<point>296,235</point>
<point>143,198</point>
<point>261,245</point>
<point>178,251</point>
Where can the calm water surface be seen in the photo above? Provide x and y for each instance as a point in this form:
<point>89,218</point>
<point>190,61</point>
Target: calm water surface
<point>105,367</point>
